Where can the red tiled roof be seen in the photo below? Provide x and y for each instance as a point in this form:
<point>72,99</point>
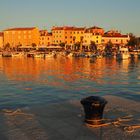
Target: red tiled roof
<point>94,27</point>
<point>49,34</point>
<point>114,35</point>
<point>1,33</point>
<point>24,28</point>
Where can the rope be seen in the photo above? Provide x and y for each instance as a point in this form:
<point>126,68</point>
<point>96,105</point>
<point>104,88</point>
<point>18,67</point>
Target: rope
<point>15,112</point>
<point>115,122</point>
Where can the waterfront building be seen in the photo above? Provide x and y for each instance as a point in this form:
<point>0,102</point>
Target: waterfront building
<point>67,35</point>
<point>89,37</point>
<point>1,40</point>
<point>21,36</point>
<point>45,38</point>
<point>115,38</point>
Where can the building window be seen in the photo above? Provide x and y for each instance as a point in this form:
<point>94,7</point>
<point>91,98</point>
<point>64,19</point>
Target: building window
<point>19,37</point>
<point>65,37</point>
<point>116,40</point>
<point>77,32</point>
<point>24,32</point>
<point>29,36</point>
<point>96,41</point>
<point>97,37</point>
<point>24,36</point>
<point>29,32</point>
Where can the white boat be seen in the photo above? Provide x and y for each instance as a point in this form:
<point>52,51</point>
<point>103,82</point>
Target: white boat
<point>6,54</point>
<point>50,55</point>
<point>123,53</point>
<point>17,54</point>
<point>38,55</point>
<point>70,55</point>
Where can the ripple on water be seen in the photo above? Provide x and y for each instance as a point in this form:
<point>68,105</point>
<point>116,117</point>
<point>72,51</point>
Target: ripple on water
<point>26,82</point>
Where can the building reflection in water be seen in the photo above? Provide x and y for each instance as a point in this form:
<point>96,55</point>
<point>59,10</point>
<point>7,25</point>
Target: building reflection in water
<point>57,71</point>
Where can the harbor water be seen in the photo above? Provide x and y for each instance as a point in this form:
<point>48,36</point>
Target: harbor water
<point>26,82</point>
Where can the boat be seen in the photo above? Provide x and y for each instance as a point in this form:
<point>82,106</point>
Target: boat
<point>50,55</point>
<point>70,55</point>
<point>123,53</point>
<point>6,54</point>
<point>17,54</point>
<point>30,54</point>
<point>38,55</point>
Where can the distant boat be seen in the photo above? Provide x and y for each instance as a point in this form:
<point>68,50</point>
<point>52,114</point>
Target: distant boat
<point>123,53</point>
<point>50,55</point>
<point>6,54</point>
<point>17,54</point>
<point>39,55</point>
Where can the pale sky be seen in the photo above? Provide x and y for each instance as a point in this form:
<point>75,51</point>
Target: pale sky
<point>122,15</point>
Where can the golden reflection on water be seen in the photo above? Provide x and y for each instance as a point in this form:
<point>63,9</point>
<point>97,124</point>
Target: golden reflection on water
<point>67,69</point>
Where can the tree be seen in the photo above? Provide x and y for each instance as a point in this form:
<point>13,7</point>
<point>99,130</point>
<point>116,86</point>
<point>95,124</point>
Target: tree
<point>7,47</point>
<point>134,41</point>
<point>108,48</point>
<point>93,46</point>
<point>62,44</point>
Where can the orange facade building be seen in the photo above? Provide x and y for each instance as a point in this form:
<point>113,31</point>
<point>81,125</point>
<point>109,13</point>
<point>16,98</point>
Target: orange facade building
<point>45,38</point>
<point>21,36</point>
<point>1,40</point>
<point>67,35</point>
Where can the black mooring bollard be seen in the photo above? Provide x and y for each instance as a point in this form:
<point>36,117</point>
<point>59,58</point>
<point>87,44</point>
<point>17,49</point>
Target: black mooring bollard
<point>93,107</point>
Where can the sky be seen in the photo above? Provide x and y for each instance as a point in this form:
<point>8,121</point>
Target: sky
<point>122,15</point>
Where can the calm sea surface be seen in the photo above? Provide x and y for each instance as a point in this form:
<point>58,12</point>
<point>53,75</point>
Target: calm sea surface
<point>28,82</point>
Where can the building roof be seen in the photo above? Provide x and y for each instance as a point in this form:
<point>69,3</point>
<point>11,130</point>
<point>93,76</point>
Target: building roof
<point>68,28</point>
<point>1,33</point>
<point>94,27</point>
<point>20,28</point>
<point>49,34</point>
<point>114,34</point>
